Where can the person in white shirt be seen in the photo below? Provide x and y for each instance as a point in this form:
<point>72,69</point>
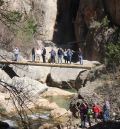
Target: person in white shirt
<point>16,53</point>
<point>38,53</point>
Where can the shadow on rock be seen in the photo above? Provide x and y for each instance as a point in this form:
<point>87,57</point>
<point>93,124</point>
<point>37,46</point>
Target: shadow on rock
<point>106,125</point>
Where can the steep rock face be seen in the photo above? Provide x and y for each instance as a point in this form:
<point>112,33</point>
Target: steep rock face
<point>66,22</point>
<point>64,27</point>
<point>43,11</point>
<point>88,11</point>
<point>93,39</point>
<point>112,7</point>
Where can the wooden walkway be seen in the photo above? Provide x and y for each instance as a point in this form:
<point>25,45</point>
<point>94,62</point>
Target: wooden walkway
<point>47,64</point>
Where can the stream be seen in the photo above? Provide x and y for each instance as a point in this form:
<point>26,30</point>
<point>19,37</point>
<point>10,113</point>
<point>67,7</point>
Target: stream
<point>38,116</point>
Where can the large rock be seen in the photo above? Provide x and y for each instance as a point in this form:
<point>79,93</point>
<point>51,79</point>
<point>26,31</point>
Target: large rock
<point>39,73</point>
<point>30,86</point>
<point>89,75</point>
<point>53,91</point>
<point>60,114</point>
<point>63,77</point>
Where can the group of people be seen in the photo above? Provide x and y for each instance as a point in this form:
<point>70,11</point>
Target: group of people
<point>61,54</point>
<point>38,53</point>
<point>87,112</point>
<point>66,54</point>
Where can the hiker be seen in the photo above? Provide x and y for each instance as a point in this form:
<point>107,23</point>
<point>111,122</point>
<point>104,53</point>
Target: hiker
<point>16,53</point>
<point>106,111</point>
<point>83,113</point>
<point>89,115</point>
<point>52,56</point>
<point>60,54</point>
<point>65,55</point>
<point>33,54</point>
<point>80,56</point>
<point>69,55</point>
<point>43,54</point>
<point>96,111</point>
<point>38,53</point>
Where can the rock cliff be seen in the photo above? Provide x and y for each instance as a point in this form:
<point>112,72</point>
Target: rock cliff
<point>65,22</point>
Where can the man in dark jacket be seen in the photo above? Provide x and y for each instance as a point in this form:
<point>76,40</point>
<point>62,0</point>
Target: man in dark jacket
<point>33,54</point>
<point>83,113</point>
<point>43,54</point>
<point>60,55</point>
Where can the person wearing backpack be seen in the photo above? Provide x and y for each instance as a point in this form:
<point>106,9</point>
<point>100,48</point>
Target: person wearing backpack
<point>106,111</point>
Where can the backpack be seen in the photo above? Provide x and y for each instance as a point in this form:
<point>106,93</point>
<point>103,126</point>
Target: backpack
<point>89,112</point>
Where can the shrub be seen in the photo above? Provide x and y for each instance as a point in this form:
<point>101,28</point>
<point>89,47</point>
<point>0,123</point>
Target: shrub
<point>113,52</point>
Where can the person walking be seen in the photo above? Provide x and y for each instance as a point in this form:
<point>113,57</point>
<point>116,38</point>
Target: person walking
<point>16,53</point>
<point>106,111</point>
<point>83,114</point>
<point>69,55</point>
<point>52,56</point>
<point>96,111</point>
<point>80,56</point>
<point>33,54</point>
<point>43,54</point>
<point>89,115</point>
<point>65,55</point>
<point>60,55</point>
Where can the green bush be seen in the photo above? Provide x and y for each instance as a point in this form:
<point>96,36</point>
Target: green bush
<point>30,26</point>
<point>113,52</point>
<point>13,16</point>
<point>105,22</point>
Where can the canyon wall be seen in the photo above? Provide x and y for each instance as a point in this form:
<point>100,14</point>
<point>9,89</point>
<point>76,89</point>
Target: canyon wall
<point>67,23</point>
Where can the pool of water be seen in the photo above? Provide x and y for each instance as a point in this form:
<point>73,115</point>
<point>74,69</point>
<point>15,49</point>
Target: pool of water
<point>61,101</point>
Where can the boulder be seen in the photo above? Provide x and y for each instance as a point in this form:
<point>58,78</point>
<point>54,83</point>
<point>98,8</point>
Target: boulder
<point>29,86</point>
<point>63,77</point>
<point>39,73</point>
<point>53,91</point>
<point>89,75</point>
<point>60,114</point>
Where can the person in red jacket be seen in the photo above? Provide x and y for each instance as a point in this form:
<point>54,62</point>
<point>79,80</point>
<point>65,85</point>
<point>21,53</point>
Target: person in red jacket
<point>96,110</point>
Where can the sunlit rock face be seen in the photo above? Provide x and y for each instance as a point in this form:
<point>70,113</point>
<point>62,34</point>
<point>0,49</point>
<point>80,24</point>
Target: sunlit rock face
<point>67,23</point>
<point>43,11</point>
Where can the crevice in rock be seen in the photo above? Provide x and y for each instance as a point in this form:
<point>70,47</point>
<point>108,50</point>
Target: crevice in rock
<point>9,70</point>
<point>64,33</point>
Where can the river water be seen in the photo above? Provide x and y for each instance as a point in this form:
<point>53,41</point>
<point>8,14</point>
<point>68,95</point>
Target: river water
<point>40,115</point>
